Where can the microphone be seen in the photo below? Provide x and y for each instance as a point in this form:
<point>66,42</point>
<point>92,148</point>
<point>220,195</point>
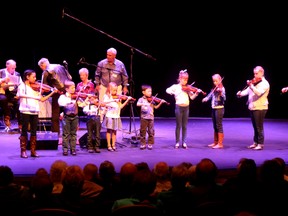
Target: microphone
<point>82,59</point>
<point>63,13</point>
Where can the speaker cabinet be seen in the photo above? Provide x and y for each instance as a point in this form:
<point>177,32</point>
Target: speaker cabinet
<point>103,140</point>
<point>45,141</point>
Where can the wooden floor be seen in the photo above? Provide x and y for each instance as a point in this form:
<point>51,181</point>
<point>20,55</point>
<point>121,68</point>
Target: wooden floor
<point>238,135</point>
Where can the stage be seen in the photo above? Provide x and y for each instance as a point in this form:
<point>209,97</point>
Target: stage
<point>238,135</point>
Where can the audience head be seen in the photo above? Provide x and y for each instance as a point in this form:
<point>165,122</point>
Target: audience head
<point>6,176</point>
<point>72,180</point>
<point>107,170</point>
<point>206,171</point>
<point>161,170</point>
<point>57,169</point>
<point>179,176</point>
<point>90,171</point>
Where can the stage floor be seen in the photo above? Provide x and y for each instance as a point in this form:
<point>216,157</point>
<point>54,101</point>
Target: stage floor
<point>238,135</point>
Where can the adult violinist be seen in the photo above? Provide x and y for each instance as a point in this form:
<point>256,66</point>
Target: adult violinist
<point>54,75</point>
<point>182,103</point>
<point>257,92</point>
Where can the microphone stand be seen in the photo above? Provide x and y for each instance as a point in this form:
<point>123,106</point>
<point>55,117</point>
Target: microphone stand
<point>131,60</point>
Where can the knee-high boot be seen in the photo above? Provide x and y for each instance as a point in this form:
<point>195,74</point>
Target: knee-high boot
<point>33,141</point>
<point>220,141</point>
<point>23,144</point>
<point>215,140</point>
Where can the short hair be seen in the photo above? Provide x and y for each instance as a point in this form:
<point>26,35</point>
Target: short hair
<point>69,83</point>
<point>42,61</point>
<point>84,70</point>
<point>10,62</point>
<point>144,87</point>
<point>112,50</point>
<point>259,68</point>
<point>6,175</point>
<point>56,170</point>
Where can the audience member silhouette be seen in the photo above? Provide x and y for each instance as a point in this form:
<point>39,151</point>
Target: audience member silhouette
<point>56,170</point>
<point>162,173</point>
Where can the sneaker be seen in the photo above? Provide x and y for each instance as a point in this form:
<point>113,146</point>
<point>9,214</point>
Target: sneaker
<point>65,153</point>
<point>110,149</point>
<point>73,152</point>
<point>177,145</point>
<point>254,145</point>
<point>150,146</point>
<point>142,146</point>
<point>97,150</point>
<point>114,148</point>
<point>184,146</point>
<point>258,147</point>
<point>212,145</point>
<point>91,151</point>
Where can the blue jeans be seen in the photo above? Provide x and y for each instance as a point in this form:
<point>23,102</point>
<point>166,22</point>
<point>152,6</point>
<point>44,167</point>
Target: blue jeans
<point>217,119</point>
<point>182,114</point>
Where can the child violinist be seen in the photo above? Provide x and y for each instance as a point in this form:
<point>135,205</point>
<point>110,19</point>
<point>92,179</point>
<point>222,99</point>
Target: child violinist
<point>92,110</point>
<point>182,103</point>
<point>112,120</point>
<point>69,102</point>
<point>147,116</point>
<point>29,108</point>
<point>217,97</point>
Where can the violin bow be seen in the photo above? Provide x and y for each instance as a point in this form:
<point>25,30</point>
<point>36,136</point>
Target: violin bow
<point>153,98</point>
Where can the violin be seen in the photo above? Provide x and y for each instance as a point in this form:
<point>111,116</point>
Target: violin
<point>157,100</point>
<point>81,95</point>
<point>190,88</point>
<point>254,81</point>
<point>122,97</point>
<point>45,88</point>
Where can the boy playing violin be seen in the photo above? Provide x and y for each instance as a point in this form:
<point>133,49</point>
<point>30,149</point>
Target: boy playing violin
<point>147,116</point>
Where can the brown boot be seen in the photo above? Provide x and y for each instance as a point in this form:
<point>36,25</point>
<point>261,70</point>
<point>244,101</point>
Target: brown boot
<point>33,146</point>
<point>23,144</point>
<point>220,141</point>
<point>7,123</point>
<point>215,140</point>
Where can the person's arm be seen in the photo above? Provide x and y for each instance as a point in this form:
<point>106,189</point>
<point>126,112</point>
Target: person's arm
<point>125,79</point>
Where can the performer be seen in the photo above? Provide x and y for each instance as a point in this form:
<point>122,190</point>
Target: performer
<point>112,120</point>
<point>182,102</point>
<point>257,90</point>
<point>86,86</point>
<point>29,108</point>
<point>10,80</point>
<point>55,76</point>
<point>218,98</point>
<point>93,124</point>
<point>109,70</point>
<point>71,119</point>
<point>147,116</point>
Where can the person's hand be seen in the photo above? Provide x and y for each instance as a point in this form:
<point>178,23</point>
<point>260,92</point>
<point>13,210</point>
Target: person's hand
<point>125,90</point>
<point>98,88</point>
<point>205,99</point>
<point>238,94</point>
<point>284,90</point>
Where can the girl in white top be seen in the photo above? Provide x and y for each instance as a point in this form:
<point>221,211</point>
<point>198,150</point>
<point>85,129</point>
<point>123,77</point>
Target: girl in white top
<point>29,95</point>
<point>182,101</point>
<point>112,118</point>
